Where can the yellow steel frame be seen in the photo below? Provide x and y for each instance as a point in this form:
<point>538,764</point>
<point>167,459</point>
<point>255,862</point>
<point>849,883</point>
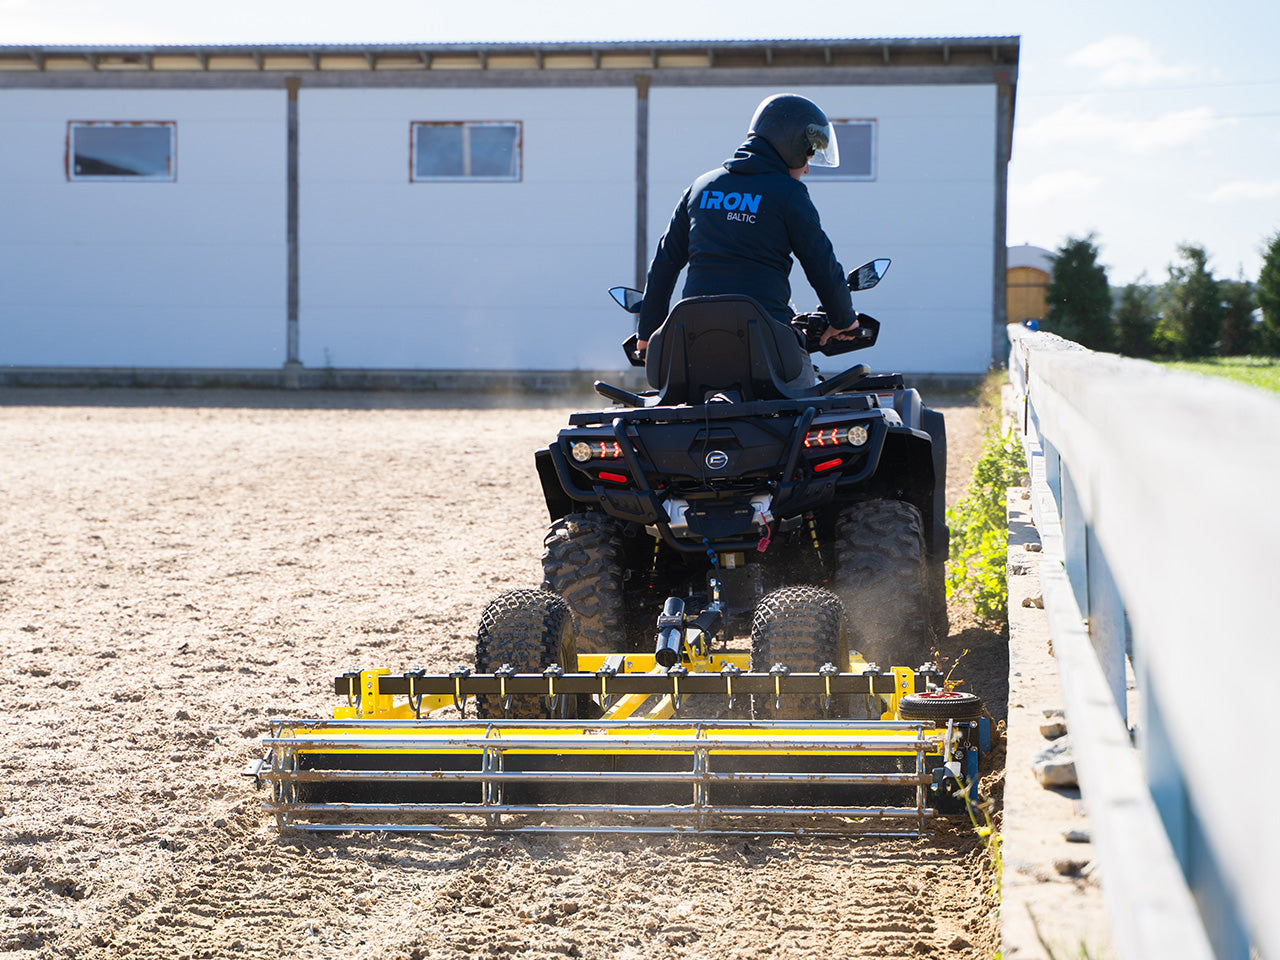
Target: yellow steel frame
<point>365,702</point>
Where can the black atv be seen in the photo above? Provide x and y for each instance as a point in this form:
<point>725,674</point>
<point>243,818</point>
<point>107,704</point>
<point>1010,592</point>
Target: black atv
<point>726,482</point>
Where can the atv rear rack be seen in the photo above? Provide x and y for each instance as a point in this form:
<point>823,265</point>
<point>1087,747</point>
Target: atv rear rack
<point>627,763</point>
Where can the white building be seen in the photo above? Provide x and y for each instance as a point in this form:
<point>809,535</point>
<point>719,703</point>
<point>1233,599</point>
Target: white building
<point>454,208</point>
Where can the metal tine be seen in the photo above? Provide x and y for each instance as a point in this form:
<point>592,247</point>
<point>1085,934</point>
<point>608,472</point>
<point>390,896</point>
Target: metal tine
<point>503,672</point>
<point>458,674</point>
<point>353,688</point>
<point>729,671</point>
<point>778,671</point>
<point>553,698</point>
<point>675,673</point>
<point>827,670</point>
<point>606,671</point>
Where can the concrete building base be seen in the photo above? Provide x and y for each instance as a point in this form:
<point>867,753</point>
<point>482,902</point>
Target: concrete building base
<point>294,376</point>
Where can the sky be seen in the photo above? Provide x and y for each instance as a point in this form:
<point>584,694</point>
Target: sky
<point>1148,124</point>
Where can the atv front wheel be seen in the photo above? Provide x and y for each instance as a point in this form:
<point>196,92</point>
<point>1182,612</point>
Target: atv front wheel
<point>530,630</point>
<point>582,562</point>
<point>798,627</point>
<point>881,577</point>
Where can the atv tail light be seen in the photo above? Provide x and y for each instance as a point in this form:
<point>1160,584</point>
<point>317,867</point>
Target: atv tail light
<point>834,436</point>
<point>614,477</point>
<point>597,449</point>
<point>827,465</point>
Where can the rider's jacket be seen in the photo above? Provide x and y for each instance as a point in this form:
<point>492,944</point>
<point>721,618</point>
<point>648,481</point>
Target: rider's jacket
<point>736,228</point>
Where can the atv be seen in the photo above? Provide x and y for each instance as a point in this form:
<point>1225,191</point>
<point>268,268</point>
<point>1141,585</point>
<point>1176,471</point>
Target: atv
<point>690,502</point>
<point>732,498</point>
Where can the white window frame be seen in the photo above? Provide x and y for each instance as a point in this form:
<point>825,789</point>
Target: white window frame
<point>467,126</point>
<point>840,172</point>
<point>169,176</point>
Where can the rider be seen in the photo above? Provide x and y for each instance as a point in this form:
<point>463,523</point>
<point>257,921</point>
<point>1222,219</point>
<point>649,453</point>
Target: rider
<point>738,225</point>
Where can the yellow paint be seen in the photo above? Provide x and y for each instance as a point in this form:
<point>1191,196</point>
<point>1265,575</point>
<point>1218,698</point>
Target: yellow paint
<point>506,61</point>
<point>1026,293</point>
<point>904,682</point>
<point>568,61</point>
<point>630,61</point>
<point>278,62</point>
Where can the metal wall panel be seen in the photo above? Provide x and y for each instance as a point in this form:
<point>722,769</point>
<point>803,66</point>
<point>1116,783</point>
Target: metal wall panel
<point>465,275</point>
<point>189,273</point>
<point>395,274</point>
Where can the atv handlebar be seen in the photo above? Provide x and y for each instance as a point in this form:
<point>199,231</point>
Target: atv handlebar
<point>812,326</point>
<point>634,354</point>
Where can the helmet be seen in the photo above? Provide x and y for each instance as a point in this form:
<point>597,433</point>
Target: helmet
<point>797,129</point>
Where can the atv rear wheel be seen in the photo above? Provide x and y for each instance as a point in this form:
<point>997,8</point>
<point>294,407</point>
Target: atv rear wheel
<point>582,562</point>
<point>530,630</point>
<point>798,627</point>
<point>881,577</point>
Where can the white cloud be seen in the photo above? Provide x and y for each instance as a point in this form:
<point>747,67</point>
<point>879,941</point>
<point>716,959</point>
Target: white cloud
<point>1075,124</point>
<point>1051,187</point>
<point>1246,190</point>
<point>1125,62</point>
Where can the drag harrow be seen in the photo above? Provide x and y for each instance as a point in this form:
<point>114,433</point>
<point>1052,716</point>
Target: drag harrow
<point>626,744</point>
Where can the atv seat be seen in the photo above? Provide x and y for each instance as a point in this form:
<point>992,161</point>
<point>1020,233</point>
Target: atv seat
<point>723,345</point>
<point>727,345</point>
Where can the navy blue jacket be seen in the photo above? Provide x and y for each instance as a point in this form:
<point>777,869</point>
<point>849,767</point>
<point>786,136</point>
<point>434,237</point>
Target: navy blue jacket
<point>736,228</point>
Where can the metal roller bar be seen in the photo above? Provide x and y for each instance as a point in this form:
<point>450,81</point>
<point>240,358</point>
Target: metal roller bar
<point>588,776</point>
<point>624,829</point>
<point>590,744</point>
<point>498,726</point>
<point>624,810</point>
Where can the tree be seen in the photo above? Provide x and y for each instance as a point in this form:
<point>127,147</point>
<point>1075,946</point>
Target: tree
<point>1079,295</point>
<point>1192,318</point>
<point>1237,318</point>
<point>1136,321</point>
<point>1268,293</point>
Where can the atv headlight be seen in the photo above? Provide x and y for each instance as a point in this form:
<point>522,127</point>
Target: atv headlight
<point>581,451</point>
<point>857,435</point>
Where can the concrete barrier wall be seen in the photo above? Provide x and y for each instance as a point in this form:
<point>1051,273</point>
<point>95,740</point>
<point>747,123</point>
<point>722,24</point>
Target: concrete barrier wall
<point>1164,489</point>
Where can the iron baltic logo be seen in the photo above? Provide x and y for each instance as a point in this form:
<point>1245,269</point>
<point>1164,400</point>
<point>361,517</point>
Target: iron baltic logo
<point>742,206</point>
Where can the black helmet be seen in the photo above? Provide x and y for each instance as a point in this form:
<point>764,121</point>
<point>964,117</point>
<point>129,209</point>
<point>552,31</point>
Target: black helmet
<point>797,129</point>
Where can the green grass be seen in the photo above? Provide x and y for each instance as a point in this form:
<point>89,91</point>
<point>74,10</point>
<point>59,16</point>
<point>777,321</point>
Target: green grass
<point>979,528</point>
<point>1261,372</point>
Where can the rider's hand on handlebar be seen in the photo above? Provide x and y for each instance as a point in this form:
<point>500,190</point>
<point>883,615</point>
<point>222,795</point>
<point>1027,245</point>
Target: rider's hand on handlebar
<point>635,350</point>
<point>839,333</point>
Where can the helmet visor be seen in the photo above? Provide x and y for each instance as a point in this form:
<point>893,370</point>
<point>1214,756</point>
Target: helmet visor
<point>822,141</point>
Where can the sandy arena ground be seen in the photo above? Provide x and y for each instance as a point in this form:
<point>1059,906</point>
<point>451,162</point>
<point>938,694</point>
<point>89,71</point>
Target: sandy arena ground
<point>178,567</point>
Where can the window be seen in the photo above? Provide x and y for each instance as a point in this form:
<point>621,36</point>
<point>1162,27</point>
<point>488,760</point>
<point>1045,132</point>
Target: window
<point>121,150</point>
<point>857,142</point>
<point>465,151</point>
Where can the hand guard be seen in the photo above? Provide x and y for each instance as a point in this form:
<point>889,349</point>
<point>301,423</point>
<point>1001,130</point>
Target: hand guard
<point>813,325</point>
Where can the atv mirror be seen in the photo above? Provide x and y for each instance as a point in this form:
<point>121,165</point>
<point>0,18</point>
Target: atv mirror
<point>628,299</point>
<point>868,275</point>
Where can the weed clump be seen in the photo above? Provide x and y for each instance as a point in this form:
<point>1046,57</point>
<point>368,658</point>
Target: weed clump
<point>979,528</point>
